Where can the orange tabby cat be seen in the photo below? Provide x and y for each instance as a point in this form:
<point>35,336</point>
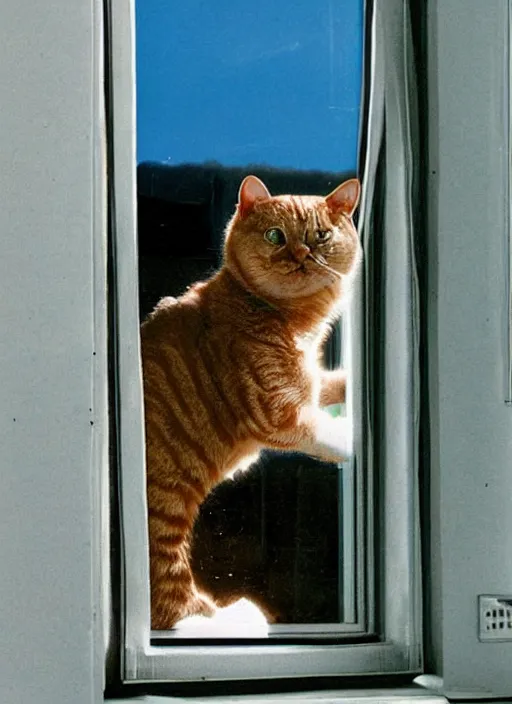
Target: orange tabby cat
<point>232,366</point>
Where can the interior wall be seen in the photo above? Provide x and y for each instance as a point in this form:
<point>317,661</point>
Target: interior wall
<point>49,147</point>
<point>471,427</point>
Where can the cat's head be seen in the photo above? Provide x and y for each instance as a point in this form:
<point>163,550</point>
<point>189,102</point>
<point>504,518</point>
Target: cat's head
<point>291,247</point>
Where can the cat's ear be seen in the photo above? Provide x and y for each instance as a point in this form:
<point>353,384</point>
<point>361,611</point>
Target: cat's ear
<point>251,190</point>
<point>345,198</point>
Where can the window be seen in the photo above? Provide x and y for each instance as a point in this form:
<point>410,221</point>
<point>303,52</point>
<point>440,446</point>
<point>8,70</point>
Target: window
<point>359,609</point>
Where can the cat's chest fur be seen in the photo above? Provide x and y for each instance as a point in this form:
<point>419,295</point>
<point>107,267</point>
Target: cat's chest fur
<point>300,388</point>
<point>308,351</point>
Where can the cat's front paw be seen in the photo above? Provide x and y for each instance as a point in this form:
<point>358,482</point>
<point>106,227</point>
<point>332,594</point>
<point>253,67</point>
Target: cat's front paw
<point>334,435</point>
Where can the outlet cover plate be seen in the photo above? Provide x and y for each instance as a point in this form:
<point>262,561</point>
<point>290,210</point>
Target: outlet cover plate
<point>495,618</point>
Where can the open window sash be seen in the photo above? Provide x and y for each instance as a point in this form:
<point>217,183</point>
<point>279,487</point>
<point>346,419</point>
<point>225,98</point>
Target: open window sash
<point>383,398</point>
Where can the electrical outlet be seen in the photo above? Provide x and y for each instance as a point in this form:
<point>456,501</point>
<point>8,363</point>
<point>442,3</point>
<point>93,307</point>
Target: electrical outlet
<point>495,618</point>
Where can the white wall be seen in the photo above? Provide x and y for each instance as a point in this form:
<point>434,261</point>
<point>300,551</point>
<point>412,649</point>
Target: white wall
<point>471,426</point>
<point>48,142</point>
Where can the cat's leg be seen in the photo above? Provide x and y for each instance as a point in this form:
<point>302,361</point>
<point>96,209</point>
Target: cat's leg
<point>170,606</point>
<point>325,437</point>
<point>318,434</point>
<point>200,605</point>
<point>174,595</point>
<point>332,387</point>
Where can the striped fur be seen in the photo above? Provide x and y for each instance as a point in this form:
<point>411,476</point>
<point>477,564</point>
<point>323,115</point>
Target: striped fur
<point>232,366</point>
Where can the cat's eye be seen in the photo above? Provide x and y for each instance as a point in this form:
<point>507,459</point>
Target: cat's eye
<point>323,236</point>
<point>275,236</point>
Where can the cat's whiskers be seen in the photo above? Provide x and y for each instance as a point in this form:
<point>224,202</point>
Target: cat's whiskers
<point>325,266</point>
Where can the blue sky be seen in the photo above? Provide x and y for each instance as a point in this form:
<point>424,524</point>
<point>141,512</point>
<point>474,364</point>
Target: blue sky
<point>276,82</point>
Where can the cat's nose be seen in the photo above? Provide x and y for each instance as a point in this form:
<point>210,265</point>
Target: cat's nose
<point>300,252</point>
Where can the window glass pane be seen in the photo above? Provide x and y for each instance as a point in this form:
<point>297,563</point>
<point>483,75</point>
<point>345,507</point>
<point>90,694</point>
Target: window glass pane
<point>249,83</point>
<point>226,89</point>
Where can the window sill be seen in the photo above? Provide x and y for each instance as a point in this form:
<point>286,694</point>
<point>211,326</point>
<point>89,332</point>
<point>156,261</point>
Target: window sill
<point>405,695</point>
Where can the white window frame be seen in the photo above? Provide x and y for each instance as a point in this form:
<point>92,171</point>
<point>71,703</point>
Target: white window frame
<point>399,649</point>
